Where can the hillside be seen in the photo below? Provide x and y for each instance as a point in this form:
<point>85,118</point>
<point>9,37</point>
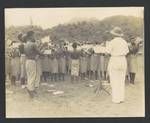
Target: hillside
<point>91,30</point>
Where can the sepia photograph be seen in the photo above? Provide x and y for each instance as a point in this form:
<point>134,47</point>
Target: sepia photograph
<point>74,62</point>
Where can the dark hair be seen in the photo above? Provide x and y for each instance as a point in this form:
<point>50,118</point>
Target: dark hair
<point>30,33</point>
<point>74,45</point>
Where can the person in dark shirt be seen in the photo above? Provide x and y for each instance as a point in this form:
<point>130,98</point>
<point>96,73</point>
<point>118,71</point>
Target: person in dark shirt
<point>21,37</point>
<point>83,64</point>
<point>62,63</point>
<point>31,52</point>
<point>93,65</point>
<point>75,63</point>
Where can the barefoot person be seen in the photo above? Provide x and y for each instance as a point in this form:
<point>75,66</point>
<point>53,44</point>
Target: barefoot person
<point>31,52</point>
<point>21,37</point>
<point>74,63</point>
<point>15,62</point>
<point>93,65</point>
<point>83,65</point>
<point>133,47</point>
<point>118,49</point>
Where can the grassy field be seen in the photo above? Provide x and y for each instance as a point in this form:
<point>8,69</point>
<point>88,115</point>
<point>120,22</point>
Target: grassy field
<point>78,100</point>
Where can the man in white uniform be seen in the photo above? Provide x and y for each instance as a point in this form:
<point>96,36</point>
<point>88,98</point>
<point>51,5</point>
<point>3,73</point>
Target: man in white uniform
<point>118,49</point>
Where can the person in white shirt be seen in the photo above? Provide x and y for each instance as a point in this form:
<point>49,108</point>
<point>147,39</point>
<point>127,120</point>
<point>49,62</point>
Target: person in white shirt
<point>117,66</point>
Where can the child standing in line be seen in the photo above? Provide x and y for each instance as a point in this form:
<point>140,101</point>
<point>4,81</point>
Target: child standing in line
<point>55,66</point>
<point>62,66</point>
<point>45,67</point>
<point>88,56</point>
<point>102,63</point>
<point>50,66</point>
<point>83,65</point>
<point>93,65</point>
<point>74,63</point>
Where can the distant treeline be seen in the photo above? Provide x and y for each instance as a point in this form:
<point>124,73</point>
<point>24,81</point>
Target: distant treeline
<point>89,31</point>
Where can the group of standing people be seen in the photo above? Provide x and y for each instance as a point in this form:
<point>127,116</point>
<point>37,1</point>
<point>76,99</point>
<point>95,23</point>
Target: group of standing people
<point>36,66</point>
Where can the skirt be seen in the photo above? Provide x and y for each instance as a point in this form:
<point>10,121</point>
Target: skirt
<point>83,65</point>
<point>45,64</point>
<point>106,62</point>
<point>50,65</point>
<point>62,65</point>
<point>54,66</point>
<point>7,65</point>
<point>93,63</point>
<point>39,66</point>
<point>132,63</point>
<point>31,74</point>
<point>75,67</point>
<point>88,63</point>
<point>15,67</point>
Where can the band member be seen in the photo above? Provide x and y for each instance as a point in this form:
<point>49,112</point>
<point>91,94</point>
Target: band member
<point>74,63</point>
<point>102,65</point>
<point>106,57</point>
<point>132,59</point>
<point>15,63</point>
<point>83,65</point>
<point>88,58</point>
<point>93,65</point>
<point>50,66</point>
<point>69,63</point>
<point>31,52</point>
<point>41,49</point>
<point>45,67</point>
<point>62,66</point>
<point>54,65</point>
<point>118,48</point>
<point>21,37</point>
<point>7,65</point>
<point>39,70</point>
<point>68,59</point>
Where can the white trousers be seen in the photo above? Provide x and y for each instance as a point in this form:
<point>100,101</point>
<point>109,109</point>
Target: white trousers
<point>117,71</point>
<point>38,74</point>
<point>75,67</point>
<point>31,74</point>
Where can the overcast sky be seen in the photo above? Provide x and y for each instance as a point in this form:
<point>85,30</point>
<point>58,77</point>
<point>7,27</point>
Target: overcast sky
<point>49,17</point>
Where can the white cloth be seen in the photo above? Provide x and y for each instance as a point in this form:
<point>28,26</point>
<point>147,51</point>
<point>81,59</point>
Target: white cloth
<point>117,71</point>
<point>117,67</point>
<point>39,72</point>
<point>75,67</point>
<point>132,62</point>
<point>117,47</point>
<point>31,74</point>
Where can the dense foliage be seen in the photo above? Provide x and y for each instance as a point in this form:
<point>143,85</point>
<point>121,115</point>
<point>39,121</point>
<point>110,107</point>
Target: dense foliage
<point>84,31</point>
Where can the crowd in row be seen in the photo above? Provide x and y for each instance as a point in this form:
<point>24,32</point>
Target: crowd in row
<point>56,65</point>
<point>30,63</point>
